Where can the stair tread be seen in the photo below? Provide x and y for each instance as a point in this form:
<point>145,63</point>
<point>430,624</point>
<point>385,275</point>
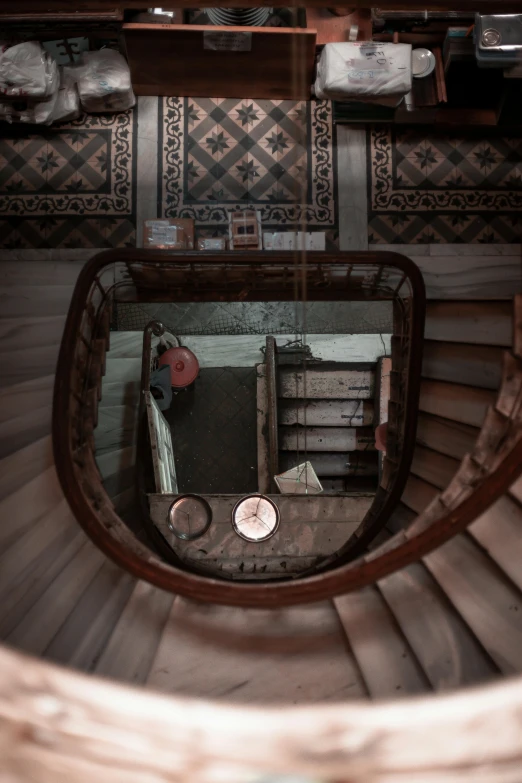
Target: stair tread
<point>19,333</point>
<point>482,323</point>
<point>132,645</point>
<point>465,404</point>
<point>34,301</point>
<point>87,629</point>
<point>253,656</point>
<point>499,531</point>
<point>384,656</point>
<point>445,647</point>
<point>447,437</point>
<point>326,383</point>
<point>433,467</point>
<point>25,464</point>
<point>487,601</point>
<point>30,503</point>
<point>476,365</point>
<point>45,618</point>
<point>26,397</point>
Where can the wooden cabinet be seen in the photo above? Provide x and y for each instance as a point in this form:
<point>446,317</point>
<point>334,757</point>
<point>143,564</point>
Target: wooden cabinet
<point>224,62</point>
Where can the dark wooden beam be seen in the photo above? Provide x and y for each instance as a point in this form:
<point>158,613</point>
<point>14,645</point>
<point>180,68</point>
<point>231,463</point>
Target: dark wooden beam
<point>41,6</point>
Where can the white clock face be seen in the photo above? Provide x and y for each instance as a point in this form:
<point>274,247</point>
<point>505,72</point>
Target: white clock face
<point>255,518</point>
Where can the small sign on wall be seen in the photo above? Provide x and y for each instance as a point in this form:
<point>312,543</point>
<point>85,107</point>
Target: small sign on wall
<point>227,42</point>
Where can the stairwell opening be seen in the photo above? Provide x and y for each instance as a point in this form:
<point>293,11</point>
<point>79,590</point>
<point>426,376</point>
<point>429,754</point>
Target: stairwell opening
<point>294,368</point>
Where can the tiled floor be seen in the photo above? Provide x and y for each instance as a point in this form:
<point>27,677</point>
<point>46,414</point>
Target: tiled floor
<point>69,186</point>
<point>427,187</point>
<point>93,182</point>
<point>278,156</point>
<point>259,317</point>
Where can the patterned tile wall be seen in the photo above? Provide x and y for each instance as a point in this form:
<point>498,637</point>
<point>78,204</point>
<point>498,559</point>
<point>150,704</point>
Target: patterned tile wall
<point>279,156</point>
<point>428,188</point>
<point>69,186</point>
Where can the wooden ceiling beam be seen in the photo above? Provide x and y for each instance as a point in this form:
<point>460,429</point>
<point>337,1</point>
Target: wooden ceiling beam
<point>41,6</point>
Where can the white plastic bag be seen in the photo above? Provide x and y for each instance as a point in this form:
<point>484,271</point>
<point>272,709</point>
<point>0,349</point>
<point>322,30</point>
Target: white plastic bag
<point>367,70</point>
<point>67,105</point>
<point>104,82</point>
<point>26,70</point>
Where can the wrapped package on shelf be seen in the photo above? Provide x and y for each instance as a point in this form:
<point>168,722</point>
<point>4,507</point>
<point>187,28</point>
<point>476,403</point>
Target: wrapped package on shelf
<point>364,71</point>
<point>104,82</point>
<point>67,106</point>
<point>27,71</point>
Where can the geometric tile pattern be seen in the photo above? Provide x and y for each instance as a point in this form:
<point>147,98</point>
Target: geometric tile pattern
<point>429,188</point>
<point>217,154</point>
<point>69,186</point>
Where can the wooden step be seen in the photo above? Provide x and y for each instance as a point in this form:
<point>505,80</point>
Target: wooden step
<point>478,323</point>
<point>463,404</point>
<point>474,365</point>
<point>470,277</point>
<point>30,582</point>
<point>132,646</point>
<point>446,649</point>
<point>29,505</point>
<point>447,437</point>
<point>389,668</point>
<point>326,413</point>
<point>326,438</point>
<point>499,531</point>
<point>326,384</point>
<point>24,465</point>
<point>29,544</point>
<point>19,334</point>
<point>293,655</point>
<point>23,301</point>
<point>26,397</point>
<point>23,430</point>
<point>433,467</point>
<point>483,596</point>
<point>87,629</point>
<point>39,273</point>
<point>352,463</point>
<point>39,626</point>
<point>27,364</point>
<point>418,494</point>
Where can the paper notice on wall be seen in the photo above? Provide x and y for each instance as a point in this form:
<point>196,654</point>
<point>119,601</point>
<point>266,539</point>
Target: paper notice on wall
<point>227,42</point>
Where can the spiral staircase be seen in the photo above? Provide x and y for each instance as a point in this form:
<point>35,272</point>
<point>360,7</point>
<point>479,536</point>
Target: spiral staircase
<point>282,690</point>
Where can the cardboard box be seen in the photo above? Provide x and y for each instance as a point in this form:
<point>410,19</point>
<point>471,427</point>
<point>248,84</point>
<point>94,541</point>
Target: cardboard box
<point>280,240</point>
<point>311,240</point>
<point>244,228</point>
<point>212,243</point>
<point>292,240</point>
<point>169,234</point>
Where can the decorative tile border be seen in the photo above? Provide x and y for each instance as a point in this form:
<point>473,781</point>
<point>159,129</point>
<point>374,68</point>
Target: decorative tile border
<point>443,188</point>
<point>69,186</point>
<point>220,154</point>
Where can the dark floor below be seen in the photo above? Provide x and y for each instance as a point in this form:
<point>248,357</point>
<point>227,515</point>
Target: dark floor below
<point>214,432</point>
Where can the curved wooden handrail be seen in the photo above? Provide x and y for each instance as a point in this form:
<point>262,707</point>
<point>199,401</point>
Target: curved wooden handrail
<point>396,554</point>
<point>89,728</point>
